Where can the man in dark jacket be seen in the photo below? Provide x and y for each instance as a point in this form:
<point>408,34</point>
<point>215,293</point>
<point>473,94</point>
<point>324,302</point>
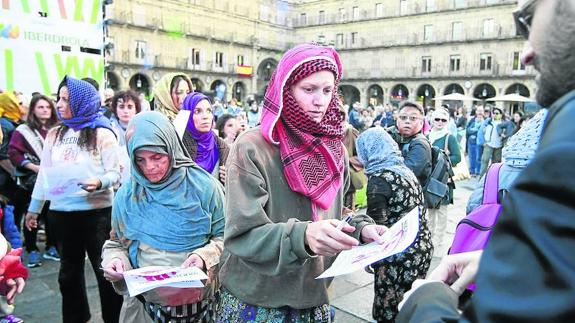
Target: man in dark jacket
<point>408,134</point>
<point>527,272</point>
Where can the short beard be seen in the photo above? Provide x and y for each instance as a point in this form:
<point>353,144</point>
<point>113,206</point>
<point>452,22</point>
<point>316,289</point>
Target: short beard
<point>556,61</point>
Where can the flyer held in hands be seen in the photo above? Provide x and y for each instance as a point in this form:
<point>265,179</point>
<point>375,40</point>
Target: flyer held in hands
<point>395,240</point>
<point>144,279</point>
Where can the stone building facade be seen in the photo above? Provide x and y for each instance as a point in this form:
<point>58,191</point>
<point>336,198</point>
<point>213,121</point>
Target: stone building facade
<point>391,50</point>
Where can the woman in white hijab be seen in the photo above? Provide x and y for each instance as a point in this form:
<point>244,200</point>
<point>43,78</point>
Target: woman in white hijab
<point>440,137</point>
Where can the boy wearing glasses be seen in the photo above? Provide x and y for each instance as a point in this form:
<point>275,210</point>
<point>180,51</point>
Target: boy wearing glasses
<point>408,134</point>
<point>527,271</point>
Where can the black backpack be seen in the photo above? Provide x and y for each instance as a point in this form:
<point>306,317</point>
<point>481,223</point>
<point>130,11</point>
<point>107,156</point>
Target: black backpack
<point>436,189</point>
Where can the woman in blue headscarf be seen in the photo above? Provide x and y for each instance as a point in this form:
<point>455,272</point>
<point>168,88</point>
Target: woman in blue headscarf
<point>392,191</point>
<point>169,214</point>
<point>208,150</point>
<point>82,150</point>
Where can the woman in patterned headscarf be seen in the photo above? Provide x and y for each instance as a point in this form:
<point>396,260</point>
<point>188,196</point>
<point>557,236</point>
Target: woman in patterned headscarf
<point>286,181</point>
<point>78,169</point>
<point>392,191</point>
<point>169,94</point>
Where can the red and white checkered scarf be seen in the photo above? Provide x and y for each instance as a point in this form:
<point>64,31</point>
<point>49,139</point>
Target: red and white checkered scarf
<point>312,153</point>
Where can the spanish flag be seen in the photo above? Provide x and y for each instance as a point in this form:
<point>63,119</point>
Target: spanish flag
<point>243,70</point>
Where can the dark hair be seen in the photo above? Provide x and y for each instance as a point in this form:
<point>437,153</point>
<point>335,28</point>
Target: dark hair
<point>33,121</point>
<point>126,96</point>
<point>472,113</point>
<point>88,138</point>
<point>410,104</point>
<point>176,80</point>
<point>221,124</point>
<point>498,109</point>
<point>503,117</point>
<point>93,82</point>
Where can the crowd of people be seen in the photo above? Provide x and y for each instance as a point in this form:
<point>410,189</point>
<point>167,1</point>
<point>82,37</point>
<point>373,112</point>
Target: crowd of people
<point>255,195</point>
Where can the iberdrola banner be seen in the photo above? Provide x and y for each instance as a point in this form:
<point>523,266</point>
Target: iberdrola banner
<point>43,40</point>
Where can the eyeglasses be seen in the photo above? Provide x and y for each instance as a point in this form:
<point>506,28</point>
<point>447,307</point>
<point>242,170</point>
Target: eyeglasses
<point>439,119</point>
<point>523,18</point>
<point>496,113</point>
<point>411,118</point>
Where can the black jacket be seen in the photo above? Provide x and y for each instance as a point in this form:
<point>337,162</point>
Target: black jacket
<point>527,272</point>
<point>418,156</point>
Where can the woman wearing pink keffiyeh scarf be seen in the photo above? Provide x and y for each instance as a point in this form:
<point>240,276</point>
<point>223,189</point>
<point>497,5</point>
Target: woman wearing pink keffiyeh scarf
<point>286,181</point>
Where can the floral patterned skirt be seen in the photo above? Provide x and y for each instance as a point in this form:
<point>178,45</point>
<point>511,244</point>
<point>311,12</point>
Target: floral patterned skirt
<point>232,309</point>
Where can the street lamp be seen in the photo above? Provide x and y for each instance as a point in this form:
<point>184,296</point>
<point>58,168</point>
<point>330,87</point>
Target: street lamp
<point>268,71</point>
<point>426,93</point>
<point>138,82</point>
<point>238,93</point>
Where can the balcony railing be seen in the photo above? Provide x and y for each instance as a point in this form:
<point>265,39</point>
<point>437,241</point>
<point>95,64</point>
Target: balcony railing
<point>417,38</point>
<point>437,71</point>
<point>172,62</point>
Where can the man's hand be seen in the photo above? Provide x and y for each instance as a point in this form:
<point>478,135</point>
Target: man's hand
<point>324,239</point>
<point>458,270</point>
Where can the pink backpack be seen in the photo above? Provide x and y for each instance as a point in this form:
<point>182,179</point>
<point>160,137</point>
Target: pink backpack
<point>473,231</point>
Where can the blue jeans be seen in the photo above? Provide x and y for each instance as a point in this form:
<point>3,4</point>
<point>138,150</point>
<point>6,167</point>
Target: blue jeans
<point>474,159</point>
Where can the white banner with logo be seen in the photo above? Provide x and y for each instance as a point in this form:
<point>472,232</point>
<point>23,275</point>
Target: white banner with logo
<point>41,41</point>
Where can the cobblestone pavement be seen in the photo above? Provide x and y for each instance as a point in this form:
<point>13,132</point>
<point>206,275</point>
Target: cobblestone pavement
<point>351,295</point>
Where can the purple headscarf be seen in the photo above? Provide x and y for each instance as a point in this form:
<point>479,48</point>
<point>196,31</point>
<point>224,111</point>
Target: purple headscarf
<point>208,153</point>
<point>85,105</point>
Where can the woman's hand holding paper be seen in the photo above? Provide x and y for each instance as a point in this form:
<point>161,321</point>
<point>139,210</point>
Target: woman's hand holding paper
<point>113,271</point>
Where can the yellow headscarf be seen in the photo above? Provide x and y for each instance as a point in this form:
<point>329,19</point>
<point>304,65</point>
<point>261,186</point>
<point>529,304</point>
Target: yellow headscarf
<point>163,97</point>
<point>9,106</point>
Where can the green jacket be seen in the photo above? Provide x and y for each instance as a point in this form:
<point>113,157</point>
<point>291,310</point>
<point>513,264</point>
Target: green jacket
<point>265,261</point>
<point>454,157</point>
